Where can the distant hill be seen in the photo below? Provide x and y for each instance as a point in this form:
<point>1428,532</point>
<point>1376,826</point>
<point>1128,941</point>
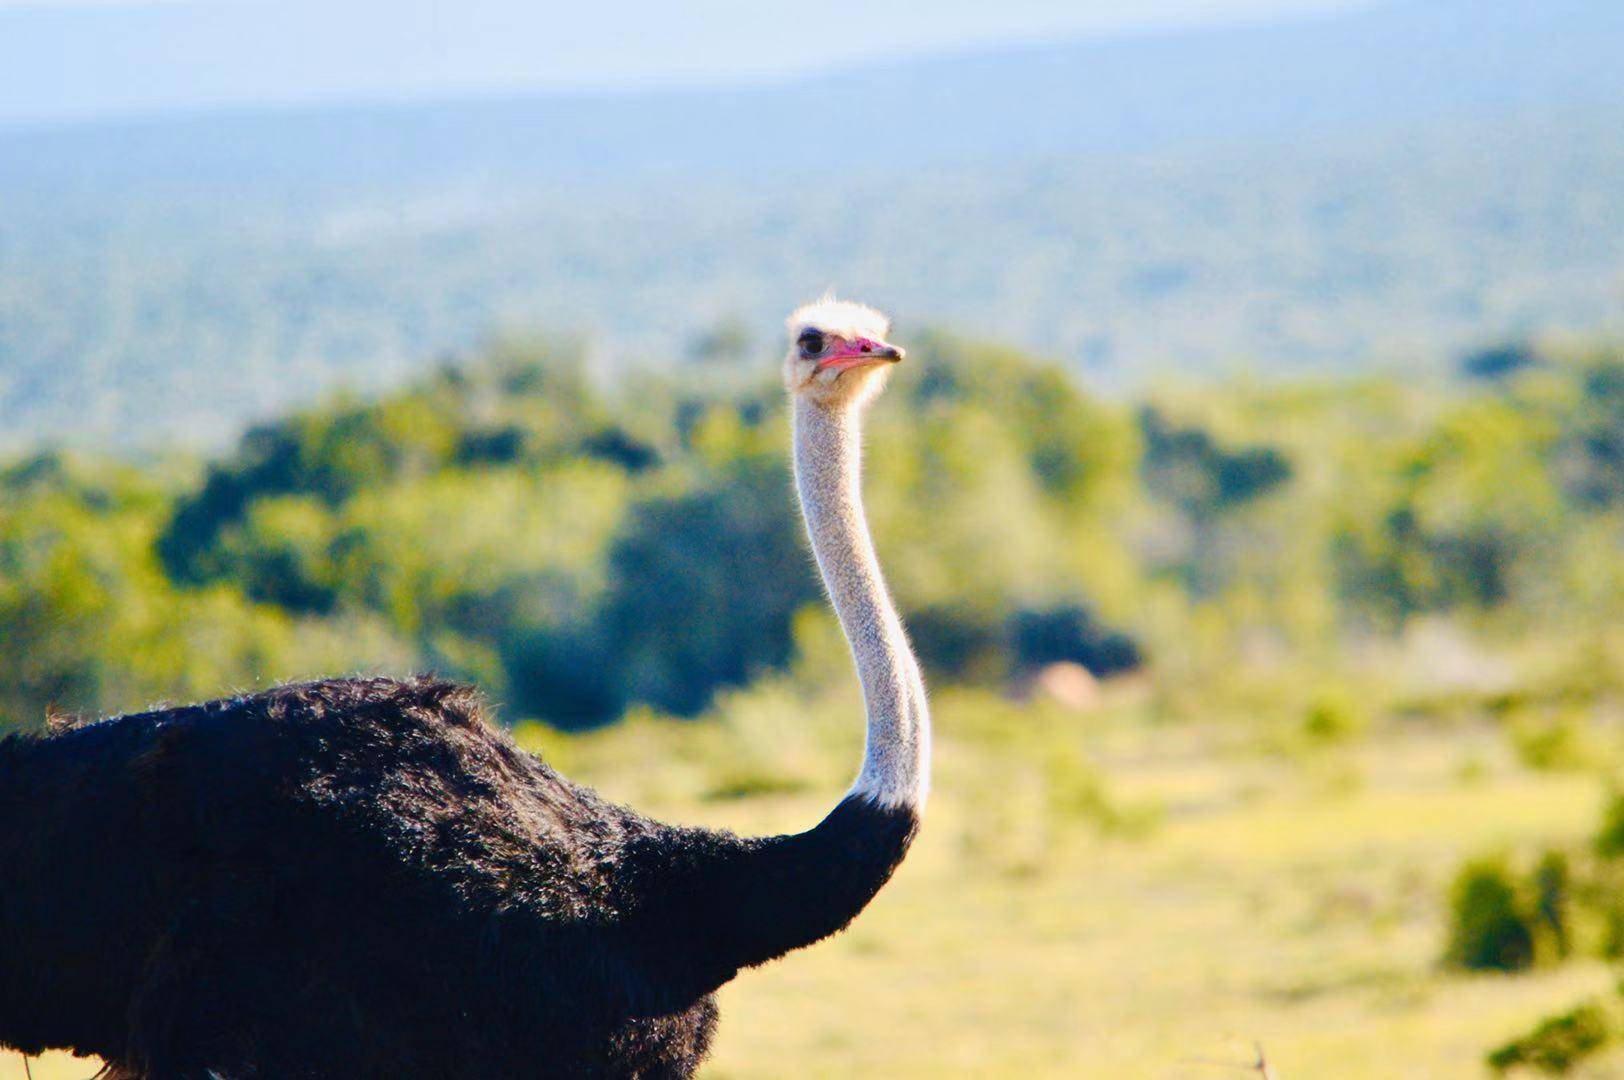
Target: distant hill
<point>1375,186</point>
<point>1392,65</point>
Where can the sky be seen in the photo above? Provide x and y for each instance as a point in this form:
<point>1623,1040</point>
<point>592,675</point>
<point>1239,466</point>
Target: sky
<point>69,60</point>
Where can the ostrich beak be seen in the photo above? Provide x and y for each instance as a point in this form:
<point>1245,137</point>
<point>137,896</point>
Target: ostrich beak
<point>860,352</point>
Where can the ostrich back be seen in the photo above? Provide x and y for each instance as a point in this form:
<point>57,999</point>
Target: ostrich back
<point>351,878</point>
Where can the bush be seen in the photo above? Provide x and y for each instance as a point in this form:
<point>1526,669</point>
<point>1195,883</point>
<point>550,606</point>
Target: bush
<point>1553,893</point>
<point>1499,361</point>
<point>1557,1043</point>
<point>704,588</point>
<point>1334,716</point>
<point>1552,745</point>
<point>1488,929</point>
<point>1609,840</point>
<point>1070,632</point>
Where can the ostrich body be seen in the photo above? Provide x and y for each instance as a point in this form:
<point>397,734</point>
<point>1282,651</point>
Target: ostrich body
<point>364,878</point>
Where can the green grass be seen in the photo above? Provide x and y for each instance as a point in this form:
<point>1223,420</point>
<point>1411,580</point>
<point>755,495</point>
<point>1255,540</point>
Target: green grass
<point>1290,899</point>
<point>1262,910</point>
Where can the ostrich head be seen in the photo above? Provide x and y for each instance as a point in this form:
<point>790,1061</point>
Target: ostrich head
<point>838,354</point>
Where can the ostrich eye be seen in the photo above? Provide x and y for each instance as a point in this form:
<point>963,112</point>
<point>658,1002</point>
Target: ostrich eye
<point>811,342</point>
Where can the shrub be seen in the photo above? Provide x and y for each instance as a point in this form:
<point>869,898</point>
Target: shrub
<point>1552,745</point>
<point>1499,361</point>
<point>1070,632</point>
<point>1553,891</point>
<point>1488,930</point>
<point>1557,1043</point>
<point>1609,840</point>
<point>1334,716</point>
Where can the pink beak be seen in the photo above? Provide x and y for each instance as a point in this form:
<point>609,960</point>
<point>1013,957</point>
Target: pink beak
<point>860,352</point>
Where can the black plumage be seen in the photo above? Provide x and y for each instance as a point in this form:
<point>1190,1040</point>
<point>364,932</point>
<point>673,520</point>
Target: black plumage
<point>365,878</point>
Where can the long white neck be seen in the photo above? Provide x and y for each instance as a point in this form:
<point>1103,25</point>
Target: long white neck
<point>828,478</point>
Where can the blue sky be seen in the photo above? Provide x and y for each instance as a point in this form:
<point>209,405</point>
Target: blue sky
<point>73,59</point>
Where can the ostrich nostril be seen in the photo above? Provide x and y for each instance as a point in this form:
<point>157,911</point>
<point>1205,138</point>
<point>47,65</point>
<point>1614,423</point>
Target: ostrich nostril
<point>868,348</point>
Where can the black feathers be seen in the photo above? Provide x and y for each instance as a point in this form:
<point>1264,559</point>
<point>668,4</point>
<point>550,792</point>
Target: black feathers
<point>362,878</point>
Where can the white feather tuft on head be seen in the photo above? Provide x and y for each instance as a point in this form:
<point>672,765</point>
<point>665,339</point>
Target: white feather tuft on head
<point>845,318</point>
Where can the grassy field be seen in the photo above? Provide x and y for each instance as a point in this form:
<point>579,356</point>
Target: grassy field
<point>1095,894</point>
<point>1299,913</point>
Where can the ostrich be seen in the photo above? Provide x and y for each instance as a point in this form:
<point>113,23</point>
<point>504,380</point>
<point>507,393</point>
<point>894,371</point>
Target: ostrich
<point>363,878</point>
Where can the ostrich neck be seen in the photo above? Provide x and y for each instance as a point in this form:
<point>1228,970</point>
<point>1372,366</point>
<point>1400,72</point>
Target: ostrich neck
<point>828,478</point>
<point>724,902</point>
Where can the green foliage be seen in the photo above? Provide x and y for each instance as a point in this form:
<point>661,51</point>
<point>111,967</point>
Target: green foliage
<point>1488,930</point>
<point>1592,442</point>
<point>1335,715</point>
<point>1069,633</point>
<point>1187,466</point>
<point>91,622</point>
<point>519,406</point>
<point>1499,361</point>
<point>1553,895</point>
<point>1558,1043</point>
<point>1609,842</point>
<point>1449,537</point>
<point>1556,743</point>
<point>578,553</point>
<point>704,587</point>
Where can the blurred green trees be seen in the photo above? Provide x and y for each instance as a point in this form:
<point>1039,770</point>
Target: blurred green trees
<point>578,551</point>
<point>1559,1043</point>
